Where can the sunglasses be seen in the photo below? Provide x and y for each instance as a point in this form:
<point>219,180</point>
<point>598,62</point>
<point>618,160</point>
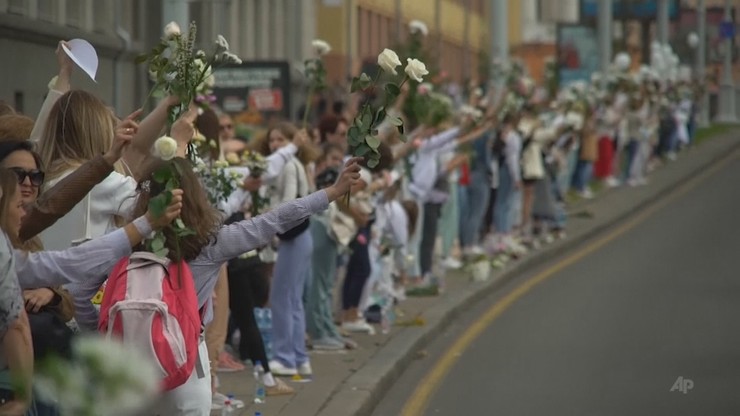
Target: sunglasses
<point>35,176</point>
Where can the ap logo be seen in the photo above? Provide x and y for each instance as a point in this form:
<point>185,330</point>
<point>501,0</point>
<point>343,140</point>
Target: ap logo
<point>683,385</point>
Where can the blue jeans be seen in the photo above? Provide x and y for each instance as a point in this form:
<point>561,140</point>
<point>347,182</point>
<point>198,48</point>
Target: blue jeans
<point>503,211</point>
<point>582,175</point>
<point>473,203</point>
<point>286,300</point>
<point>630,152</point>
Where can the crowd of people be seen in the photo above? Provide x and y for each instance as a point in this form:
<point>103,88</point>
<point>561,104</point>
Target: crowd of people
<point>317,246</point>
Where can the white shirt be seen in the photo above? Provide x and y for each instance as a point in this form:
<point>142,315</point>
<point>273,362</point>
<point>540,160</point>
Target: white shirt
<point>95,215</point>
<point>426,167</point>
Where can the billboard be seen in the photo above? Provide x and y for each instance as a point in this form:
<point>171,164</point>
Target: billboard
<point>262,87</point>
<point>577,53</point>
<point>629,9</point>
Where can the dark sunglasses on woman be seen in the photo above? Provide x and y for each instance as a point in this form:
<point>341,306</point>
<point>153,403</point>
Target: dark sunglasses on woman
<point>35,176</point>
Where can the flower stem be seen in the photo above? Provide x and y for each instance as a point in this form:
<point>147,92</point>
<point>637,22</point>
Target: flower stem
<point>309,98</point>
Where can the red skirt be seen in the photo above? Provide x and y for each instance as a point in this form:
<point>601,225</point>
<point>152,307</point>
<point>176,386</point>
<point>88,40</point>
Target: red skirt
<point>603,165</point>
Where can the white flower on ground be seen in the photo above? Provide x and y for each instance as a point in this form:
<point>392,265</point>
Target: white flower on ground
<point>221,44</point>
<point>388,60</point>
<point>320,47</point>
<point>416,69</point>
<point>165,148</point>
<point>417,26</point>
<point>171,30</point>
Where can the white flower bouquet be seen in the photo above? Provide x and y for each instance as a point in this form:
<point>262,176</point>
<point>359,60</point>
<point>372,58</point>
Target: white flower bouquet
<point>102,378</point>
<point>176,68</point>
<point>315,74</point>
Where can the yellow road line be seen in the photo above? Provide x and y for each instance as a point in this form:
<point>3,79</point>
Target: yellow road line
<point>417,403</point>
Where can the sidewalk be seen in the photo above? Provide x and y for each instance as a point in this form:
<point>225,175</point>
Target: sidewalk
<point>352,383</point>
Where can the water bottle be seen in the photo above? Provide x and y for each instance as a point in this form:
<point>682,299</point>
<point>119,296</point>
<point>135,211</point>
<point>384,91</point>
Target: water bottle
<point>259,383</point>
<point>228,409</point>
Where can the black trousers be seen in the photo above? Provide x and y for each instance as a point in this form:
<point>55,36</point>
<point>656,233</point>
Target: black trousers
<point>432,213</point>
<point>249,288</point>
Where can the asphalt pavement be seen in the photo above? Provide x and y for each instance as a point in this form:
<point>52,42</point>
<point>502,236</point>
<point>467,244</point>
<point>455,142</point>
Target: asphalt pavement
<point>649,324</point>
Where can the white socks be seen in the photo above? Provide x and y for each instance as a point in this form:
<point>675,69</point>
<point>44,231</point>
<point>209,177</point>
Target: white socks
<point>268,379</point>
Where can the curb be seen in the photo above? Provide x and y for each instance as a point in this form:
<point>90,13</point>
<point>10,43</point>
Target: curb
<point>360,392</point>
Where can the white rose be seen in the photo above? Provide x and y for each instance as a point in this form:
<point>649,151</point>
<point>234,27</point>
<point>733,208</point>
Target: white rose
<point>417,26</point>
<point>171,30</point>
<point>210,81</point>
<point>415,69</point>
<point>220,164</point>
<point>320,47</point>
<point>623,61</point>
<point>221,44</point>
<point>388,60</point>
<point>165,148</point>
<point>170,77</point>
<point>233,158</point>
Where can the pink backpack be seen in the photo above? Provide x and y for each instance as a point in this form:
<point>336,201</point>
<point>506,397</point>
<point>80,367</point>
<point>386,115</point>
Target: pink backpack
<point>150,304</point>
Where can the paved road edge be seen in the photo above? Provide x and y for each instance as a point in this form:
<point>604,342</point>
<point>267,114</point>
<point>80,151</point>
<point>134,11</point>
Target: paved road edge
<point>359,393</point>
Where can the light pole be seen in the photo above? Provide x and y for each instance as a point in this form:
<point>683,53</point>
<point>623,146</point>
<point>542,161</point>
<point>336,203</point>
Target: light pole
<point>663,21</point>
<point>701,64</point>
<point>605,34</point>
<point>727,87</point>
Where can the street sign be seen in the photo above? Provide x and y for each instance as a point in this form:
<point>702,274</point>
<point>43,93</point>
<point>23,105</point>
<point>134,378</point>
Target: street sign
<point>262,86</point>
<point>727,30</point>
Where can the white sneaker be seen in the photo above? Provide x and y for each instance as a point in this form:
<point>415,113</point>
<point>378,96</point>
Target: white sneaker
<point>474,251</point>
<point>305,369</point>
<point>278,369</point>
<point>612,182</point>
<point>358,326</point>
<point>586,194</point>
<point>450,263</point>
<point>219,400</point>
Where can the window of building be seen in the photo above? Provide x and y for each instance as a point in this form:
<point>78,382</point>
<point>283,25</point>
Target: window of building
<point>18,7</point>
<point>103,16</point>
<point>48,10</point>
<point>75,13</point>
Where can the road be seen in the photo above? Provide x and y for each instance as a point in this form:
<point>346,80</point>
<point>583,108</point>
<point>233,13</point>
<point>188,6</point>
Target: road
<point>655,309</point>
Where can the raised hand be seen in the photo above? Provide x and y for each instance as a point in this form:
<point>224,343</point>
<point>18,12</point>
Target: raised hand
<point>123,135</point>
<point>66,65</point>
<point>349,176</point>
<point>173,211</point>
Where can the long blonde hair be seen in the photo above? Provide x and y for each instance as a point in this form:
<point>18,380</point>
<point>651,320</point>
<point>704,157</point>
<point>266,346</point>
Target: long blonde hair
<point>80,127</point>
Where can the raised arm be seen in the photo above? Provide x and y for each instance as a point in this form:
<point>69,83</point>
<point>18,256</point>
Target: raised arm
<point>92,259</point>
<point>149,131</point>
<point>241,237</point>
<point>61,86</point>
<point>438,141</point>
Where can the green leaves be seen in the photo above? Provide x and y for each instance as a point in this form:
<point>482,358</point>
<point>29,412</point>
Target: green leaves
<point>360,83</point>
<point>157,245</point>
<point>372,141</point>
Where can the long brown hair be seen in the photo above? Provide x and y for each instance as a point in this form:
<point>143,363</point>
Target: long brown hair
<point>9,186</point>
<point>79,128</point>
<point>197,212</point>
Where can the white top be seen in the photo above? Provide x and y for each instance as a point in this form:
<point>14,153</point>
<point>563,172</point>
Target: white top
<point>291,184</point>
<point>426,164</point>
<point>94,216</point>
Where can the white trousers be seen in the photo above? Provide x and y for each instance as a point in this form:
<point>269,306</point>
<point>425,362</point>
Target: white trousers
<point>192,398</point>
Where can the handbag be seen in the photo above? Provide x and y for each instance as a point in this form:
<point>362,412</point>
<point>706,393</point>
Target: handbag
<point>50,335</point>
